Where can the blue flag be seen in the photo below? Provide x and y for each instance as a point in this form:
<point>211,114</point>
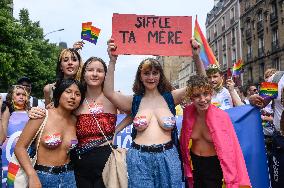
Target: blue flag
<point>247,123</point>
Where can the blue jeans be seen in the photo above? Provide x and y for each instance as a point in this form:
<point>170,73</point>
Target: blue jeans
<point>154,170</point>
<point>62,180</point>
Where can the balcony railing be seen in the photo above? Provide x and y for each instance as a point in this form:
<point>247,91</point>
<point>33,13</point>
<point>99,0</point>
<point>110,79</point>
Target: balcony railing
<point>261,52</point>
<point>259,26</point>
<point>274,46</point>
<point>248,34</point>
<point>273,17</point>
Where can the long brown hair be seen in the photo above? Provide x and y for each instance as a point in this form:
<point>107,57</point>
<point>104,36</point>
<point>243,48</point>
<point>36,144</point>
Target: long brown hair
<point>9,98</point>
<point>149,63</point>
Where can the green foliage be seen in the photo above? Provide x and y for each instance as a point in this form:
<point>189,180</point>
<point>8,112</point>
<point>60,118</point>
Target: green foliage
<point>24,51</point>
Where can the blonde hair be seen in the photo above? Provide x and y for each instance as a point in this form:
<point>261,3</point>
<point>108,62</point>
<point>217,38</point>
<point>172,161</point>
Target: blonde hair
<point>269,72</point>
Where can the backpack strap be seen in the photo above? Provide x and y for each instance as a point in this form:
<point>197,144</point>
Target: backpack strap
<point>134,109</point>
<point>278,75</point>
<point>35,102</point>
<point>170,101</point>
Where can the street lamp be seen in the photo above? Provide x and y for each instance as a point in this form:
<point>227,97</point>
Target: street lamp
<point>53,32</point>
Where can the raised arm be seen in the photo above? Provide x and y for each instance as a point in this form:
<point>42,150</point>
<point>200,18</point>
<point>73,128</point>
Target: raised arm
<point>234,95</point>
<point>196,58</point>
<point>21,151</point>
<point>123,102</point>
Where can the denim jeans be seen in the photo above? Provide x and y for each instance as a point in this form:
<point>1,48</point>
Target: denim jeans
<point>154,170</point>
<point>62,180</point>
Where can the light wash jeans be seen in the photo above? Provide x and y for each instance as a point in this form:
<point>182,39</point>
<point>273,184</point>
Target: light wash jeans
<point>154,170</point>
<point>62,180</point>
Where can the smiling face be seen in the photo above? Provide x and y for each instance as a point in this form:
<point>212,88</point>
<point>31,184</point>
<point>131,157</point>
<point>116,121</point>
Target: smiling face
<point>70,98</point>
<point>94,74</point>
<point>201,99</point>
<point>69,64</point>
<point>150,78</point>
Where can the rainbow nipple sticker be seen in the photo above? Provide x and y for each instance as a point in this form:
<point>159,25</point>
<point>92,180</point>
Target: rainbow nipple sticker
<point>53,140</point>
<point>169,122</point>
<point>140,121</point>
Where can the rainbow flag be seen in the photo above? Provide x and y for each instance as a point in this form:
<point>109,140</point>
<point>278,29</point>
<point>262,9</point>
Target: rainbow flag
<point>12,171</point>
<point>238,68</point>
<point>268,90</point>
<point>206,54</point>
<point>90,33</point>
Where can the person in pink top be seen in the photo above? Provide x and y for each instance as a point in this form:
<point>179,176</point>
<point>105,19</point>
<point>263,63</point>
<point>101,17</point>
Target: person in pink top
<point>215,152</point>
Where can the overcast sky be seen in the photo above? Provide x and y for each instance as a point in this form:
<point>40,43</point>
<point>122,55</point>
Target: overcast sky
<point>69,15</point>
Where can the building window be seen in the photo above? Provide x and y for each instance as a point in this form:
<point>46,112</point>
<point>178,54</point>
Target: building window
<point>223,23</point>
<point>273,8</point>
<point>275,35</point>
<point>234,54</point>
<point>250,76</point>
<point>224,60</point>
<point>208,35</point>
<point>259,16</point>
<point>215,30</point>
<point>276,63</point>
<point>261,70</point>
<point>260,43</point>
<point>224,42</point>
<point>232,13</point>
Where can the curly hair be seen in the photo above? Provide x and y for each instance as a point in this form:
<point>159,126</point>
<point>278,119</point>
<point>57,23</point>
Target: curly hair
<point>91,59</point>
<point>73,52</point>
<point>10,101</point>
<point>197,84</point>
<point>163,86</point>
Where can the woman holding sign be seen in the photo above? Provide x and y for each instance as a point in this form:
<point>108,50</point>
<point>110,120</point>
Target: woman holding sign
<point>153,159</point>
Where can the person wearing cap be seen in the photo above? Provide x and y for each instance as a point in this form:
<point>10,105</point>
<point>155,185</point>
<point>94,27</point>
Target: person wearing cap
<point>26,82</point>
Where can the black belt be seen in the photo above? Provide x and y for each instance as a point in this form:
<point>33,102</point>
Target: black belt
<point>54,169</point>
<point>153,148</point>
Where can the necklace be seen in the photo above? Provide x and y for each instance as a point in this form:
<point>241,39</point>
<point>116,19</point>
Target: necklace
<point>95,108</point>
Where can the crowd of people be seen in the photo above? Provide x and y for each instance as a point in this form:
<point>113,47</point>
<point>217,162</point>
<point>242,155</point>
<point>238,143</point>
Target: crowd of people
<point>80,113</point>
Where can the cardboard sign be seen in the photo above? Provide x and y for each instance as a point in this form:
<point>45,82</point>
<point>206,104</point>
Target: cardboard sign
<point>152,35</point>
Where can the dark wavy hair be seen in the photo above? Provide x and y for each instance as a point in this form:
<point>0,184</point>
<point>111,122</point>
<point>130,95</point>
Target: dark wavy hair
<point>91,59</point>
<point>60,87</point>
<point>74,52</point>
<point>149,63</point>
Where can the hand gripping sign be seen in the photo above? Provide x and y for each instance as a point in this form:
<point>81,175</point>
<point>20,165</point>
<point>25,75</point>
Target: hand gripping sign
<point>152,35</point>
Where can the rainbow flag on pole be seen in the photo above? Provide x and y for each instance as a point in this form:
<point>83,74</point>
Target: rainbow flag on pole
<point>90,33</point>
<point>238,68</point>
<point>206,53</point>
<point>268,90</point>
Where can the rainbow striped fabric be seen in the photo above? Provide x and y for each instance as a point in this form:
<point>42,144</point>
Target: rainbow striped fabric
<point>206,53</point>
<point>268,90</point>
<point>90,33</point>
<point>238,68</point>
<point>12,171</point>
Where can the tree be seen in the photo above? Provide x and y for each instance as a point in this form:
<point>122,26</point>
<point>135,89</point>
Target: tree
<point>24,51</point>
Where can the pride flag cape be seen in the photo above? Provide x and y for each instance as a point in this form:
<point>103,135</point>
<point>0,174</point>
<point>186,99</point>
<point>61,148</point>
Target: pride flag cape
<point>247,123</point>
<point>90,33</point>
<point>268,90</point>
<point>238,68</point>
<point>206,54</point>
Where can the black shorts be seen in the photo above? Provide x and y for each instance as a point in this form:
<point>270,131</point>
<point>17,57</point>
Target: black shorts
<point>207,171</point>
